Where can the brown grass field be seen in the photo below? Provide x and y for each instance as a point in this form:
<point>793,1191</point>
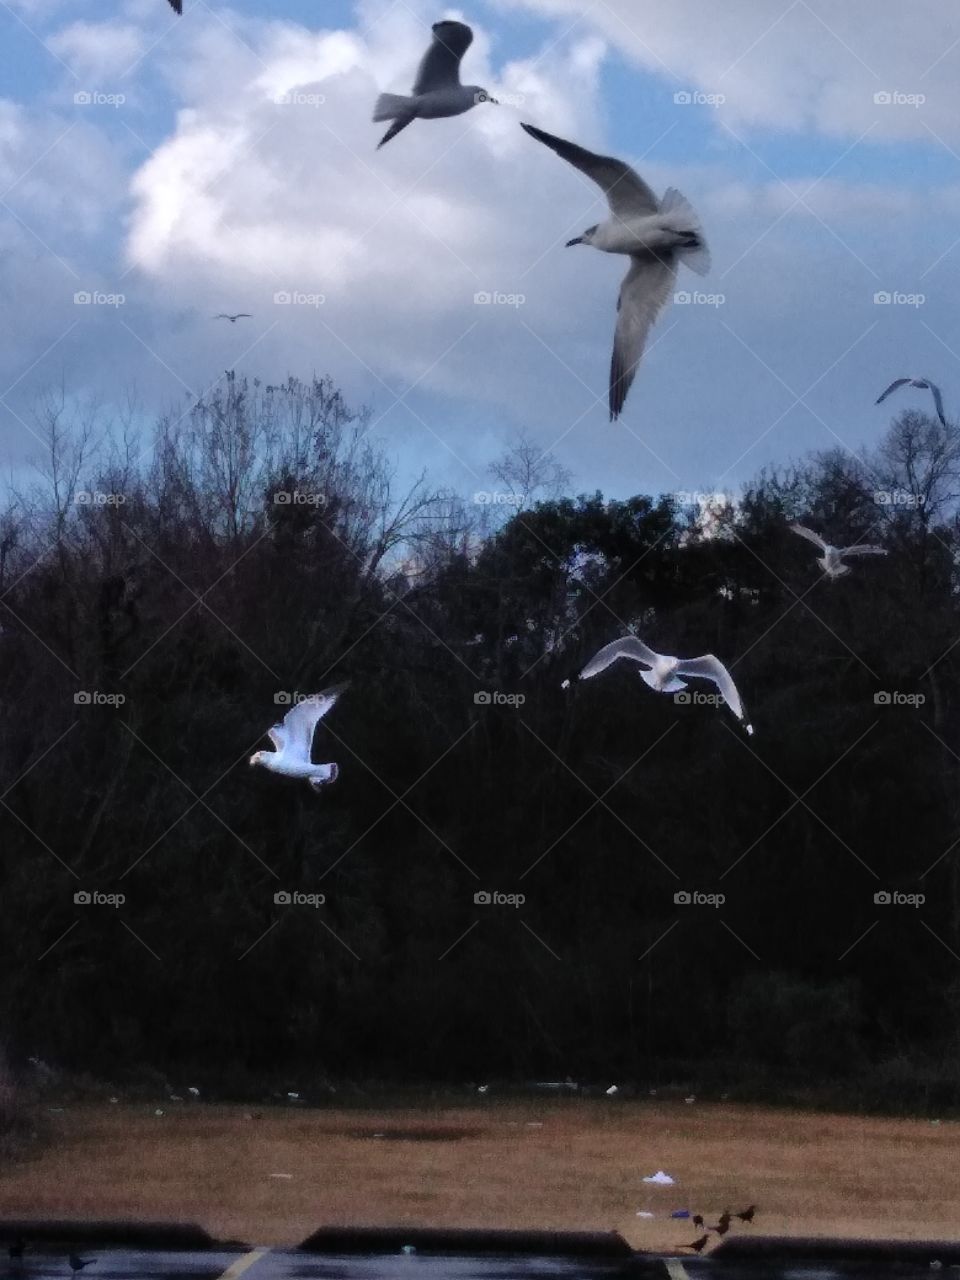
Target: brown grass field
<point>570,1164</point>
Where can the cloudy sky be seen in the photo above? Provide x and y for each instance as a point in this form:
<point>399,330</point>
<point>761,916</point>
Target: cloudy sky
<point>226,161</point>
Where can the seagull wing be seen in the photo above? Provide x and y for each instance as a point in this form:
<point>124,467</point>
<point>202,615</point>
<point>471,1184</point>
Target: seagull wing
<point>440,65</point>
<point>937,398</point>
<point>301,720</point>
<point>810,536</point>
<point>710,668</point>
<point>643,295</point>
<point>177,6</point>
<point>627,647</point>
<point>861,549</point>
<point>897,382</point>
<point>627,193</point>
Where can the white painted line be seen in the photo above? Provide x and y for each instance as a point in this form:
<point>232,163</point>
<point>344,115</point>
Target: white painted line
<point>243,1263</point>
<point>675,1269</point>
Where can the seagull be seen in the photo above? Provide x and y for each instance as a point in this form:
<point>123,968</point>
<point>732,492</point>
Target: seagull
<point>723,1223</point>
<point>437,90</point>
<point>746,1215</point>
<point>241,315</point>
<point>293,740</point>
<point>655,234</point>
<point>665,671</point>
<point>696,1245</point>
<point>77,1264</point>
<point>832,560</point>
<point>925,385</point>
<point>177,6</point>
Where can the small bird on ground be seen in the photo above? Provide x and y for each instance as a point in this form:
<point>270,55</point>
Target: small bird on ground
<point>746,1215</point>
<point>832,560</point>
<point>925,385</point>
<point>657,235</point>
<point>240,315</point>
<point>696,1245</point>
<point>293,740</point>
<point>723,1224</point>
<point>698,1219</point>
<point>437,91</point>
<point>77,1263</point>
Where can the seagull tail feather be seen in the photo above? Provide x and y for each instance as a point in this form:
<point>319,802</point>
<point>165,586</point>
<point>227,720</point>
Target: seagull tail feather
<point>683,217</point>
<point>392,105</point>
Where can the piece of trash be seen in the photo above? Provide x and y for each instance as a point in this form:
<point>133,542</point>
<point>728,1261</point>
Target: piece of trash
<point>294,1097</point>
<point>175,1097</point>
<point>482,1088</point>
<point>55,1110</point>
<point>660,1179</point>
<point>114,1099</point>
<point>653,1093</point>
<point>281,1175</point>
<point>692,1098</point>
<point>565,684</point>
<point>680,1213</point>
<point>194,1091</point>
<point>159,1111</point>
<point>378,1135</point>
<point>534,1124</point>
<point>644,1213</point>
<point>612,1090</point>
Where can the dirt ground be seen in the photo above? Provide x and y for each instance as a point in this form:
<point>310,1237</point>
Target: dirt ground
<point>573,1165</point>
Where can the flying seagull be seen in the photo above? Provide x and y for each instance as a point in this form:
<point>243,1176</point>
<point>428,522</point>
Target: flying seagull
<point>177,6</point>
<point>832,560</point>
<point>665,671</point>
<point>437,90</point>
<point>656,235</point>
<point>241,315</point>
<point>293,740</point>
<point>696,1245</point>
<point>925,385</point>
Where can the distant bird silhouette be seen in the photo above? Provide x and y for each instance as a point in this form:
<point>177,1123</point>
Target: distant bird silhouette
<point>77,1264</point>
<point>177,6</point>
<point>698,1219</point>
<point>746,1215</point>
<point>925,385</point>
<point>16,1248</point>
<point>241,315</point>
<point>723,1224</point>
<point>696,1245</point>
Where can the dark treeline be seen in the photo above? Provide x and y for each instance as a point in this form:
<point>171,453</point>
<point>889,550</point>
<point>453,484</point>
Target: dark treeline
<point>260,545</point>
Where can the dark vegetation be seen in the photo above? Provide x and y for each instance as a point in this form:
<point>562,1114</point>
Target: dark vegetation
<point>201,596</point>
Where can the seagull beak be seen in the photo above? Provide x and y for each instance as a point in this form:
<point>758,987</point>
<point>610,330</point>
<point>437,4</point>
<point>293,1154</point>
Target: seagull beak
<point>576,240</point>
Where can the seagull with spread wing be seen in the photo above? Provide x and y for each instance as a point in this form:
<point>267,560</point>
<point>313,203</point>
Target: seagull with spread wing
<point>655,234</point>
<point>240,315</point>
<point>437,91</point>
<point>665,671</point>
<point>832,559</point>
<point>293,740</point>
<point>925,385</point>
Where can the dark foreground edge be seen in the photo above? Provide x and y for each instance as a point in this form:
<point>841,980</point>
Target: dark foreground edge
<point>174,1236</point>
<point>457,1241</point>
<point>787,1249</point>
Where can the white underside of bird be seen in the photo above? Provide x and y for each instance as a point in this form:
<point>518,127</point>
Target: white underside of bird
<point>831,562</point>
<point>665,673</point>
<point>293,741</point>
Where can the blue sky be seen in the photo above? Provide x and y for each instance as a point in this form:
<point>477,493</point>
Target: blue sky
<point>198,193</point>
